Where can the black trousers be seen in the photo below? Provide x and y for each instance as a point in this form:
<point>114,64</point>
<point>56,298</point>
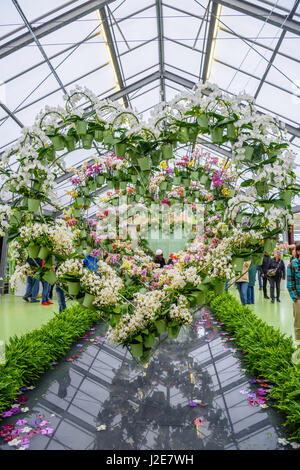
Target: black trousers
<point>265,283</point>
<point>275,281</point>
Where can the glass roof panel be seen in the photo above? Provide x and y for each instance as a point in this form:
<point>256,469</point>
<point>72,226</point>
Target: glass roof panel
<point>33,9</point>
<point>182,57</point>
<point>10,18</point>
<point>9,130</point>
<point>279,101</point>
<point>140,59</point>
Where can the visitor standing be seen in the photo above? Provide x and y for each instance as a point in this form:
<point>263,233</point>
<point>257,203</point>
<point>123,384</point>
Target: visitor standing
<point>251,284</point>
<point>32,284</point>
<point>264,269</point>
<point>275,273</point>
<point>293,285</point>
<point>159,258</point>
<point>46,289</point>
<point>260,282</point>
<point>243,282</point>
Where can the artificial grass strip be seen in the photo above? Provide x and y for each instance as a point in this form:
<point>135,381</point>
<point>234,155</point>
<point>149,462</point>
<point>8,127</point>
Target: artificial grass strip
<point>29,356</point>
<point>267,354</point>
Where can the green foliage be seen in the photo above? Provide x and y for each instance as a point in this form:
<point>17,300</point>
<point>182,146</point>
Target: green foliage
<point>29,356</point>
<point>267,354</point>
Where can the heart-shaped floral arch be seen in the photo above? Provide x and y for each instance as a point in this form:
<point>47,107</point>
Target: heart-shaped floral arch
<point>246,198</point>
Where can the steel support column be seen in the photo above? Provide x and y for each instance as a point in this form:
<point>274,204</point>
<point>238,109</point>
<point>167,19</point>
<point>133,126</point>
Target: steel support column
<point>161,51</point>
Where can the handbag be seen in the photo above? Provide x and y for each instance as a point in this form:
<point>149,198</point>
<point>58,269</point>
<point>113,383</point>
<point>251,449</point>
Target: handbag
<point>271,272</point>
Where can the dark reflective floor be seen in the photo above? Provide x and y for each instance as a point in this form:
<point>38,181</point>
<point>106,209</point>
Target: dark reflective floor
<point>148,408</point>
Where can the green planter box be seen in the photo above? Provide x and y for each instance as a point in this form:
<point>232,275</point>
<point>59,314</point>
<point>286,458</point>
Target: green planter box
<point>120,149</point>
<point>70,142</point>
<point>81,127</point>
<point>237,263</point>
<point>50,154</point>
<point>195,175</point>
<point>269,245</point>
<point>100,180</point>
<point>76,213</point>
<point>248,153</point>
<point>98,135</point>
<point>108,137</point>
<point>50,277</point>
<point>145,163</point>
<point>257,259</point>
<point>88,300</point>
<point>167,151</point>
<point>134,178</point>
<point>183,135</point>
<point>58,142</point>
<point>217,135</point>
<point>85,190</point>
<point>123,184</point>
<point>110,184</point>
<point>177,180</point>
<point>156,157</point>
<point>204,179</point>
<point>262,188</point>
<point>33,204</point>
<point>15,218</point>
<point>43,252</point>
<point>163,186</point>
<point>33,250</point>
<point>87,141</point>
<point>73,287</point>
<point>186,182</point>
<point>78,202</point>
<point>231,130</point>
<point>203,121</point>
<point>37,186</point>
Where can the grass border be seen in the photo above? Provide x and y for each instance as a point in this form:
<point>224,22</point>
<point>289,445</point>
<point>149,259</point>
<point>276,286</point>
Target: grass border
<point>29,356</point>
<point>267,354</point>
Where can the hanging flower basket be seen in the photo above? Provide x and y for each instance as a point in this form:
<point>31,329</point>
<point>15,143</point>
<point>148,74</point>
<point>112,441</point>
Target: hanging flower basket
<point>87,141</point>
<point>73,287</point>
<point>120,149</point>
<point>88,300</point>
<point>85,190</point>
<point>33,250</point>
<point>108,137</point>
<point>186,182</point>
<point>257,258</point>
<point>81,127</point>
<point>83,233</point>
<point>163,185</point>
<point>237,263</point>
<point>134,178</point>
<point>43,252</point>
<point>269,245</point>
<point>194,175</point>
<point>50,277</point>
<point>100,180</point>
<point>167,151</point>
<point>70,142</point>
<point>110,184</point>
<point>92,186</point>
<point>58,142</point>
<point>145,163</point>
<point>33,205</point>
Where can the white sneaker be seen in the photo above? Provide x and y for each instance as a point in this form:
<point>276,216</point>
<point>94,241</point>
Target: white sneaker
<point>296,357</point>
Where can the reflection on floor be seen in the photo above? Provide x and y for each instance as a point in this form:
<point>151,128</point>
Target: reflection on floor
<point>279,314</point>
<point>148,408</point>
<point>18,317</point>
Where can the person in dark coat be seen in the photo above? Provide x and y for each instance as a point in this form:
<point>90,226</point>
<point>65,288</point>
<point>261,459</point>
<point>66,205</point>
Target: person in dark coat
<point>264,269</point>
<point>32,284</point>
<point>159,258</point>
<point>277,264</point>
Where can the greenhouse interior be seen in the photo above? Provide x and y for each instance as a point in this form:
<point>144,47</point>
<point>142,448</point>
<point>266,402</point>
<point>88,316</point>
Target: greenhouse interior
<point>150,212</point>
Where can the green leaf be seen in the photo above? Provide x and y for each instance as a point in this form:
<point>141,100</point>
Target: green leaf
<point>161,326</point>
<point>136,350</point>
<point>149,340</point>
